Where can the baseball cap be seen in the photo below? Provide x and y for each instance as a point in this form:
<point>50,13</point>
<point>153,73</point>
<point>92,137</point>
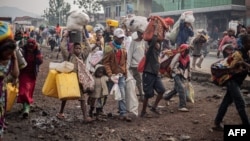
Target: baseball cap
<point>118,32</point>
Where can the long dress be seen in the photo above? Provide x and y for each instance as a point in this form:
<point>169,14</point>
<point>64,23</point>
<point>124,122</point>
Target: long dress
<point>27,80</point>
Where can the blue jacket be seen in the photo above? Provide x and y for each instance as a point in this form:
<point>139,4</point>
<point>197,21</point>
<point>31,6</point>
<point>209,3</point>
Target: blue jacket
<point>184,33</point>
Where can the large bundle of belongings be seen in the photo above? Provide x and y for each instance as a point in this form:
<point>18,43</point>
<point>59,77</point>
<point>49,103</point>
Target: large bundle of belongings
<point>162,28</point>
<point>221,70</point>
<point>136,23</point>
<point>75,23</point>
<point>187,17</point>
<point>5,31</point>
<point>166,59</point>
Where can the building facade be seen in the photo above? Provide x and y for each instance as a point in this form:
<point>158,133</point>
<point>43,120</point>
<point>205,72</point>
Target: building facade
<point>208,13</point>
<point>115,9</point>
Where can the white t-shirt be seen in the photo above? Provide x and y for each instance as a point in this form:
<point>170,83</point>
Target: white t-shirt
<point>127,42</point>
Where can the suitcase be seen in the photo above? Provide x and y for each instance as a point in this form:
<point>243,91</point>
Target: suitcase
<point>68,86</point>
<point>12,92</point>
<point>49,86</point>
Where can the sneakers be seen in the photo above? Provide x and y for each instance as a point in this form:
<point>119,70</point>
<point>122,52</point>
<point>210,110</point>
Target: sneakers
<point>183,109</point>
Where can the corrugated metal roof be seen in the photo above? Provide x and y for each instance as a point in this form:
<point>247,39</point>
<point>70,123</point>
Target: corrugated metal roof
<point>202,10</point>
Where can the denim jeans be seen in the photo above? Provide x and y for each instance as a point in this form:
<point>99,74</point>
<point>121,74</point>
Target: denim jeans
<point>232,95</point>
<point>122,103</point>
<point>179,87</point>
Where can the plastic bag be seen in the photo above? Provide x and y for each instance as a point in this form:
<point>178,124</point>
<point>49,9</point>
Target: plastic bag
<point>116,92</point>
<point>115,89</point>
<point>189,17</point>
<point>190,92</point>
<point>172,35</point>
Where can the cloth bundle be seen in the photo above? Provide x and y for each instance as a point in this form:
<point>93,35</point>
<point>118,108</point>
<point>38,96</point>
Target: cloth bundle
<point>136,23</point>
<point>5,31</point>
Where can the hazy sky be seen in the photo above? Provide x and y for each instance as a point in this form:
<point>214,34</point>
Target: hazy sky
<point>34,6</point>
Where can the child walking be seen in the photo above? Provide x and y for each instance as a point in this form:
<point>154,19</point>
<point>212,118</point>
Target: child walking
<point>78,54</point>
<point>98,98</point>
<point>180,66</point>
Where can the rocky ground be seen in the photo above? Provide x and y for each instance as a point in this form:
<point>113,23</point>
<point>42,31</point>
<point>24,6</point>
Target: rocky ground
<point>172,125</point>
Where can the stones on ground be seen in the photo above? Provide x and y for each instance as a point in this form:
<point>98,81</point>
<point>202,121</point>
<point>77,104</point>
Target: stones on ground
<point>170,139</point>
<point>217,96</point>
<point>67,137</point>
<point>168,134</point>
<point>201,115</point>
<point>40,136</point>
<point>195,122</point>
<point>184,137</point>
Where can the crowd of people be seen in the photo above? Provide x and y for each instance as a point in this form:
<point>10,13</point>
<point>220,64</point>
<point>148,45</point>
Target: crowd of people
<point>121,53</point>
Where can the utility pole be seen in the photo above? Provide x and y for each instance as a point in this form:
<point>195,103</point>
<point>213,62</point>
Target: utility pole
<point>125,7</point>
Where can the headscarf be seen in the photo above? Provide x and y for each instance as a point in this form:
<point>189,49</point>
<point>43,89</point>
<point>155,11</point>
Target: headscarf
<point>33,42</point>
<point>169,21</point>
<point>184,59</point>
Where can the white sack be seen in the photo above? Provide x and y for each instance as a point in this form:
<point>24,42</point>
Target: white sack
<point>136,23</point>
<point>132,102</point>
<point>76,20</point>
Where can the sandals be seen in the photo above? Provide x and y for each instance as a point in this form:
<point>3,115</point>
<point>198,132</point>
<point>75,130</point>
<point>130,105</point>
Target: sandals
<point>60,116</point>
<point>156,111</point>
<point>145,115</point>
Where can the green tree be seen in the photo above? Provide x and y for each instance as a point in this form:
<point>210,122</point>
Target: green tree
<point>57,12</point>
<point>90,7</point>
